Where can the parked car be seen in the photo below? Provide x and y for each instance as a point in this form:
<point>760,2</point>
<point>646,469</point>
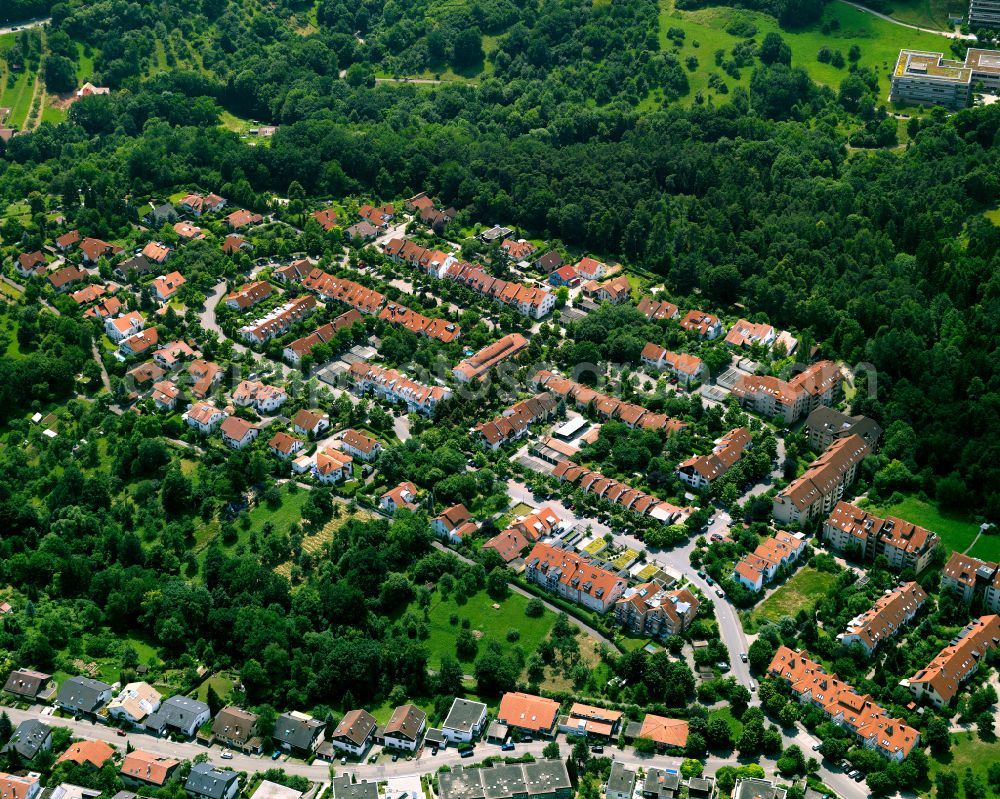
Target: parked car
<point>343,761</point>
<point>722,666</point>
<point>710,581</point>
<point>720,593</point>
<point>434,751</point>
<point>226,755</point>
<point>859,776</point>
<point>275,754</point>
<point>743,656</point>
<point>716,537</point>
<point>120,733</point>
<point>701,575</point>
<point>753,686</point>
<point>507,747</point>
<point>466,753</point>
<point>815,747</point>
<point>395,758</point>
<point>597,750</point>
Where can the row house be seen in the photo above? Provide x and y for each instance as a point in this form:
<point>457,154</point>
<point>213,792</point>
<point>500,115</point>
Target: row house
<point>891,612</point>
<point>248,295</point>
<point>905,545</point>
<point>823,484</point>
<point>703,325</point>
<point>941,679</point>
<point>573,577</point>
<point>969,577</point>
<point>759,567</point>
<point>870,724</point>
<point>278,321</point>
<point>527,300</point>
<point>607,407</point>
<point>686,368</point>
<point>238,433</point>
<point>197,204</point>
<point>617,492</point>
<point>360,298</point>
<point>511,542</point>
<point>440,329</point>
<point>654,310</point>
<point>700,471</point>
<point>476,366</point>
<point>261,397</point>
<point>432,262</point>
<point>295,272</point>
<point>300,348</point>
<point>514,423</point>
<point>651,610</point>
<point>393,386</point>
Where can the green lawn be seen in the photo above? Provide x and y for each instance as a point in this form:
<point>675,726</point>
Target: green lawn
<point>987,548</point>
<point>705,32</point>
<point>928,13</point>
<point>994,216</point>
<point>18,99</point>
<point>53,115</point>
<point>492,623</point>
<point>967,751</point>
<point>956,531</point>
<point>726,714</point>
<point>801,590</point>
<point>222,683</point>
<point>85,65</point>
<point>282,518</point>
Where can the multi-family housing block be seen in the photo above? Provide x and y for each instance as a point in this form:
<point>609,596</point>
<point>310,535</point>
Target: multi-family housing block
<point>514,423</point>
<point>476,366</point>
<point>686,368</point>
<point>870,724</point>
<point>278,321</point>
<point>825,425</point>
<point>654,310</point>
<point>248,295</point>
<point>906,545</point>
<point>891,612</point>
<point>395,387</point>
<point>700,471</point>
<point>651,610</point>
<point>704,325</point>
<point>523,532</point>
<point>968,577</point>
<point>819,384</point>
<point>924,78</point>
<point>573,577</point>
<point>823,484</point>
<point>757,568</point>
<point>543,779</point>
<point>300,348</point>
<point>940,680</point>
<point>984,13</point>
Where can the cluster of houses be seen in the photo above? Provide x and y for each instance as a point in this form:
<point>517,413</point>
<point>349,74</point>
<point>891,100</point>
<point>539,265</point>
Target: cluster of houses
<point>515,421</point>
<point>819,384</point>
<point>854,531</point>
<point>619,493</point>
<point>657,783</point>
<point>756,569</point>
<point>823,484</point>
<point>701,471</point>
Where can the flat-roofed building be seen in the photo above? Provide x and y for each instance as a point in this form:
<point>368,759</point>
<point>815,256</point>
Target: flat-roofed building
<point>926,78</point>
<point>985,14</point>
<point>543,779</point>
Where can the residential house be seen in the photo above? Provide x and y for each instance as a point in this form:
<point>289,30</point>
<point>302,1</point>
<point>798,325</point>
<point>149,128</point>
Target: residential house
<point>476,367</point>
<point>514,423</point>
<point>494,234</point>
<point>180,715</point>
<point>857,532</point>
<point>157,252</point>
<point>378,217</point>
<point>160,215</point>
<point>542,779</point>
<point>591,269</point>
<point>204,417</point>
<point>405,728</point>
<point>134,268</point>
<point>135,703</point>
<point>197,205</point>
<point>298,732</point>
<point>30,738</point>
<point>757,788</point>
<point>122,327</point>
<point>332,466</point>
<point>300,348</point>
<point>759,567</point>
<point>440,329</point>
<point>88,753</point>
<point>616,291</point>
<point>528,300</point>
<point>361,231</point>
<point>342,787</point>
<point>83,695</point>
<point>237,729</point>
<point>30,263</point>
<point>360,298</point>
<point>13,786</point>
<point>326,218</point>
<point>703,325</point>
<point>146,768</point>
<point>242,218</point>
<point>29,685</point>
<point>967,577</point>
<point>700,471</point>
<point>565,276</point>
<point>590,721</point>
<point>205,781</point>
<point>454,524</point>
<point>237,433</point>
<point>665,733</point>
<point>941,679</point>
<point>661,784</point>
<point>868,722</point>
<point>891,612</point>
<point>518,250</point>
<point>550,262</point>
<point>355,733</point>
<point>188,232</point>
<point>508,544</point>
<point>650,610</point>
<point>92,250</point>
<point>164,288</point>
<point>528,713</point>
<point>310,423</point>
<point>573,577</point>
<point>749,334</point>
<point>63,279</point>
<point>67,241</point>
<point>248,295</point>
<point>205,376</point>
<point>654,310</point>
<point>824,425</point>
<point>105,309</point>
<point>88,294</point>
<point>360,445</point>
<point>143,377</point>
<point>465,721</point>
<point>138,343</point>
<point>295,272</point>
<point>395,387</point>
<point>263,398</point>
<point>235,243</point>
<point>278,321</point>
<point>89,90</point>
<point>686,368</point>
<point>525,531</point>
<point>402,496</point>
<point>284,446</point>
<point>620,493</point>
<point>621,782</point>
<point>169,355</point>
<point>823,484</point>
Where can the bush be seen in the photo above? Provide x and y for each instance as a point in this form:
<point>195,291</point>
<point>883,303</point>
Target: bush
<point>534,608</point>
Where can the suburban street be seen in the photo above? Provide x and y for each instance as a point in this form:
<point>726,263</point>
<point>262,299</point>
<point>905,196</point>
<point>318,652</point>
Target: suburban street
<point>20,26</point>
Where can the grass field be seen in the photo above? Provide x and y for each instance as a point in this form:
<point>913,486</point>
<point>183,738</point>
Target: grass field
<point>489,622</point>
<point>987,548</point>
<point>957,532</point>
<point>928,13</point>
<point>18,99</point>
<point>705,32</point>
<point>802,589</point>
<point>967,751</point>
<point>993,216</point>
<point>726,714</point>
<point>222,683</point>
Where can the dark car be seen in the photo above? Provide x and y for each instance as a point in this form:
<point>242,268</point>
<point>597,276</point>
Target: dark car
<point>701,575</point>
<point>466,753</point>
<point>859,776</point>
<point>597,750</point>
<point>507,747</point>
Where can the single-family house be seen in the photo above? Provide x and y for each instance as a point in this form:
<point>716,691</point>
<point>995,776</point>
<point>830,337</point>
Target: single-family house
<point>157,252</point>
<point>135,703</point>
<point>359,445</point>
<point>31,737</point>
<point>263,398</point>
<point>88,753</point>
<point>284,445</point>
<point>565,276</point>
<point>310,423</point>
<point>355,733</point>
<point>404,729</point>
<point>237,433</point>
<point>465,721</point>
<point>298,732</point>
<point>120,328</point>
<point>402,496</point>
<point>146,768</point>
<point>529,713</point>
<point>243,218</point>
<point>332,466</point>
<point>180,715</point>
<point>83,695</point>
<point>237,729</point>
<point>206,781</point>
<point>204,417</point>
<point>167,286</point>
<point>29,685</point>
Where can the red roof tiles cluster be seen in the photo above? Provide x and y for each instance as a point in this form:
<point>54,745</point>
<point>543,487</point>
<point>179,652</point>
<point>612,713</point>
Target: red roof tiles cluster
<point>322,335</point>
<point>476,366</point>
<point>760,565</point>
<point>658,309</point>
<point>279,320</point>
<point>440,329</point>
<point>614,491</point>
<point>956,662</point>
<point>724,455</point>
<point>363,299</point>
<point>575,571</point>
<point>516,419</point>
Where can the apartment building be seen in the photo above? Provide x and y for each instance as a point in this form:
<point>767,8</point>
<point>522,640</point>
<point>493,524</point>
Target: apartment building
<point>686,368</point>
<point>891,612</point>
<point>984,14</point>
<point>278,321</point>
<point>818,385</point>
<point>475,367</point>
<point>905,545</point>
<point>300,348</point>
<point>925,78</point>
<point>360,298</point>
<point>825,425</point>
<point>395,387</point>
<point>823,483</point>
<point>941,679</point>
<point>756,569</point>
<point>969,577</point>
<point>573,577</point>
<point>870,724</point>
<point>543,779</point>
<point>700,471</point>
<point>649,609</point>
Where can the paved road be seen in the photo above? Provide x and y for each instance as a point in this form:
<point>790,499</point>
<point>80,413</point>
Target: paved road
<point>33,23</point>
<point>947,34</point>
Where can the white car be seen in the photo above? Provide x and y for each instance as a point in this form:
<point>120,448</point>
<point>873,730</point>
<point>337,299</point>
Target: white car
<point>226,755</point>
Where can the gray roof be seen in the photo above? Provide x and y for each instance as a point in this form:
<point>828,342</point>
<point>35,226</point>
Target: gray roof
<point>298,732</point>
<point>206,780</point>
<point>546,776</point>
<point>177,711</point>
<point>140,263</point>
<point>757,789</point>
<point>343,788</point>
<point>621,780</point>
<point>542,777</point>
<point>25,682</point>
<point>464,715</point>
<point>434,736</point>
<point>841,425</point>
<point>83,693</point>
<point>701,785</point>
<point>29,738</point>
<point>661,783</point>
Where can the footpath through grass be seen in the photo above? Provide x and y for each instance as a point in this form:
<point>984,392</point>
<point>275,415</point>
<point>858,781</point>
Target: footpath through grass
<point>801,590</point>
